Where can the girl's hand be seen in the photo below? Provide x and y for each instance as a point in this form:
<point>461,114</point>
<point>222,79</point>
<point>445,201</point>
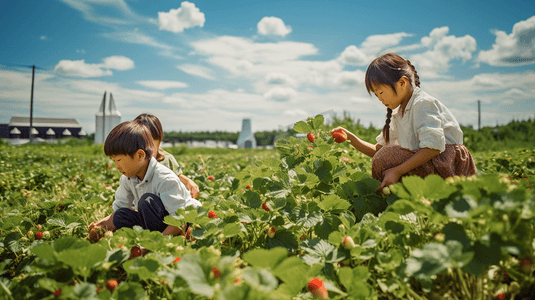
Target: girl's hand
<point>338,128</point>
<point>390,176</point>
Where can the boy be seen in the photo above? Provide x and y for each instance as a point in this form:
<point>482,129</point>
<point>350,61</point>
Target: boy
<point>148,191</point>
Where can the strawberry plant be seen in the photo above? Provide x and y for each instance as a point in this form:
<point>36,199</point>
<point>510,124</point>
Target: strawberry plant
<point>290,223</point>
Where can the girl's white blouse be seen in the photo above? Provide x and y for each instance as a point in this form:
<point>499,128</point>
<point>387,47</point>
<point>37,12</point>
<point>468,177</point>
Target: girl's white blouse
<point>426,123</point>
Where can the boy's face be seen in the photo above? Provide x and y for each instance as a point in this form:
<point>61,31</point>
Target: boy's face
<point>131,165</point>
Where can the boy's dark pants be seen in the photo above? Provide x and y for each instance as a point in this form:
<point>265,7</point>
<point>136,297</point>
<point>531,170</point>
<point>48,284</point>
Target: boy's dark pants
<point>149,215</point>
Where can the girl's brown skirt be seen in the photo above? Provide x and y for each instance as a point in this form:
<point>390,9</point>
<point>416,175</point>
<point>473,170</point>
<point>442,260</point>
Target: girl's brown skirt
<point>456,160</point>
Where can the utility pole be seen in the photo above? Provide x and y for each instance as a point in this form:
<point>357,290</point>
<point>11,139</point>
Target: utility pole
<point>478,114</point>
<point>31,105</point>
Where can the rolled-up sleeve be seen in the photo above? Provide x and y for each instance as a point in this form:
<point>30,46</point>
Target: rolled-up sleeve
<point>123,196</point>
<point>380,139</point>
<point>428,125</point>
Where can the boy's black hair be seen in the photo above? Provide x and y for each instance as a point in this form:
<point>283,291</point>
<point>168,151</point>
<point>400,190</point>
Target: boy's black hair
<point>127,138</point>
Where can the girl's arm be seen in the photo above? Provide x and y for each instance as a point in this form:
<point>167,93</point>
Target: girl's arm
<point>362,146</point>
<point>419,158</point>
<point>190,185</point>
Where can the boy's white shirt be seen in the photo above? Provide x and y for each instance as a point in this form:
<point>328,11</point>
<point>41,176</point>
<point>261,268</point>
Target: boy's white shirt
<point>159,180</point>
<point>427,123</point>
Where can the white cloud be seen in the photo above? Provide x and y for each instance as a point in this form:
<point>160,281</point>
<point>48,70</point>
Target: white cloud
<point>279,78</point>
<point>162,84</point>
<point>119,14</point>
<point>354,56</point>
<point>280,94</point>
<point>246,50</point>
<point>43,38</point>
<point>273,26</point>
<point>121,63</point>
<point>80,68</point>
<point>442,48</point>
<point>374,44</point>
<point>196,70</point>
<point>186,16</point>
<point>370,48</point>
<point>515,49</point>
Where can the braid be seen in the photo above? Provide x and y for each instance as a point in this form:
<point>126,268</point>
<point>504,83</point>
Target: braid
<point>386,129</point>
<point>416,77</point>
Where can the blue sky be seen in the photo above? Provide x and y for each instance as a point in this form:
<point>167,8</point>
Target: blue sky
<point>206,65</point>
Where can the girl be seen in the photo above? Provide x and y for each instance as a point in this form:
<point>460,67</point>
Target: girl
<point>163,157</point>
<point>420,137</point>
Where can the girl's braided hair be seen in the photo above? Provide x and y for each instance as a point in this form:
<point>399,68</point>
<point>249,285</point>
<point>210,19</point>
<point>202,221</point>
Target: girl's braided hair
<point>388,69</point>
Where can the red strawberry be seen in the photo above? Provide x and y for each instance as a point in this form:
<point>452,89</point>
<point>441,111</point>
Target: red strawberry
<point>265,206</point>
<point>216,272</point>
<point>57,293</point>
<point>348,243</point>
<point>212,215</point>
<point>339,135</point>
<point>311,137</point>
<point>135,252</point>
<point>211,177</point>
<point>525,265</point>
<point>310,148</point>
<point>111,285</point>
<point>38,235</point>
<point>178,259</point>
<point>317,288</point>
<point>500,296</point>
<point>248,186</point>
<point>271,232</point>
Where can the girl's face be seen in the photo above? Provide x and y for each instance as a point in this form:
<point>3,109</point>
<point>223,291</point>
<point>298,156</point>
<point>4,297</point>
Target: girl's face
<point>391,98</point>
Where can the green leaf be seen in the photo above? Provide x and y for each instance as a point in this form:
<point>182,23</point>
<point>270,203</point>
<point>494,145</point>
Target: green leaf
<point>283,238</point>
<point>11,241</point>
<point>45,251</point>
<point>336,238</point>
<point>293,272</point>
<point>191,271</point>
<point>318,121</point>
<point>263,258</point>
<point>306,214</point>
<point>329,224</point>
<point>83,259</point>
<point>85,290</point>
<point>302,127</point>
<point>233,229</point>
<point>130,290</point>
<point>260,279</point>
<point>316,250</point>
<point>144,268</point>
<point>334,204</point>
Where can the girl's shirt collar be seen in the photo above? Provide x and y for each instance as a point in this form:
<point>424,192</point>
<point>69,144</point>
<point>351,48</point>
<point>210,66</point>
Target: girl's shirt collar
<point>397,110</point>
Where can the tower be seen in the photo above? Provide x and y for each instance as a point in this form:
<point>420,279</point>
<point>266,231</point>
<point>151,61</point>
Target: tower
<point>246,138</point>
<point>106,120</point>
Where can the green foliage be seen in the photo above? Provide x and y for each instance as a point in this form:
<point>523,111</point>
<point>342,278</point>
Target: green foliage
<point>430,239</point>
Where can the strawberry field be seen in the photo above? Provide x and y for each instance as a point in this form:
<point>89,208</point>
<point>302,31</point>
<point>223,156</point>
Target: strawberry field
<point>299,222</point>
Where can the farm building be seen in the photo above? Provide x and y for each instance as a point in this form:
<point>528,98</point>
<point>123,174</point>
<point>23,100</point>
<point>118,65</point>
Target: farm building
<point>106,119</point>
<point>44,128</point>
<point>246,138</point>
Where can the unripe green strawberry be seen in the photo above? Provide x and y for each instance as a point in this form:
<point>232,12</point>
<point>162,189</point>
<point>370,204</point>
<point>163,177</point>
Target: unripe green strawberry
<point>109,234</point>
<point>386,191</point>
<point>46,234</point>
<point>348,243</point>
